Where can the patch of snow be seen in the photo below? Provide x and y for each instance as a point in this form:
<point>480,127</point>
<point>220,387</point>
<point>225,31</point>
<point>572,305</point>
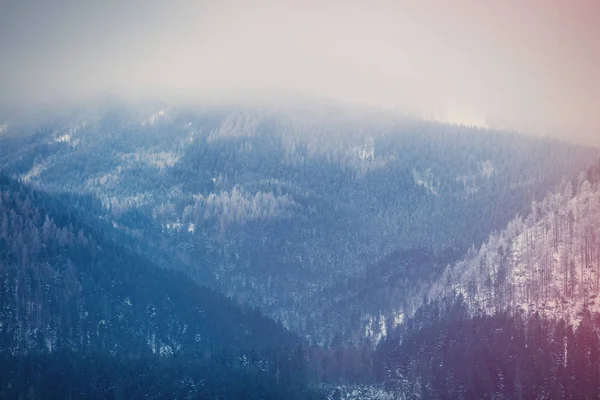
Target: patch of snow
<point>67,137</point>
<point>165,350</point>
<point>49,344</point>
<point>367,151</point>
<point>174,225</point>
<point>34,172</point>
<point>357,392</point>
<point>487,168</point>
<point>243,360</point>
<point>375,327</point>
<point>151,341</point>
<point>398,318</point>
<point>155,117</point>
<point>425,180</point>
<point>550,268</point>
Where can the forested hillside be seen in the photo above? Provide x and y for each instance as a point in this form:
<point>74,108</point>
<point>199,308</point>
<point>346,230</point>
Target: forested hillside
<point>135,240</point>
<point>329,219</point>
<point>82,316</point>
<point>446,352</point>
<point>517,317</point>
<point>547,262</point>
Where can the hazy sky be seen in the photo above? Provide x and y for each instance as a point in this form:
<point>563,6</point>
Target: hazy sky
<point>530,65</point>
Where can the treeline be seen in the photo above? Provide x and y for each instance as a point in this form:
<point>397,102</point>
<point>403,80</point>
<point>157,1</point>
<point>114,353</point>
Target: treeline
<point>100,375</point>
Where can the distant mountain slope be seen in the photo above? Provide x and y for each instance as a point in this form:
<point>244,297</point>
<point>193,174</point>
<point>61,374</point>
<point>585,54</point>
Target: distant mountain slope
<point>292,209</point>
<point>67,291</point>
<point>548,262</point>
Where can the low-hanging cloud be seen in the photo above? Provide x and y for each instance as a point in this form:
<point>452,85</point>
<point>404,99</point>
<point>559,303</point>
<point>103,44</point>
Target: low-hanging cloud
<point>525,65</point>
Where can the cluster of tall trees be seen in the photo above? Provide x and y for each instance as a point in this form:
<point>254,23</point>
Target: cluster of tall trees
<point>100,375</point>
<point>237,207</point>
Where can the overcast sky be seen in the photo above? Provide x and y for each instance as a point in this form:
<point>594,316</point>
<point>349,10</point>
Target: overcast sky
<point>530,65</point>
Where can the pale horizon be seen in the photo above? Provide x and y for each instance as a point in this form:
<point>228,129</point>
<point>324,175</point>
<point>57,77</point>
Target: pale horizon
<point>526,66</point>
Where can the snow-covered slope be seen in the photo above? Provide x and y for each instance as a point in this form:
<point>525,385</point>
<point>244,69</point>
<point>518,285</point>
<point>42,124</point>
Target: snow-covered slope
<point>548,262</point>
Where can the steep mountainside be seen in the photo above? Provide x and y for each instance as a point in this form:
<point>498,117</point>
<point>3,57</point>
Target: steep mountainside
<point>548,262</point>
<point>300,211</point>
